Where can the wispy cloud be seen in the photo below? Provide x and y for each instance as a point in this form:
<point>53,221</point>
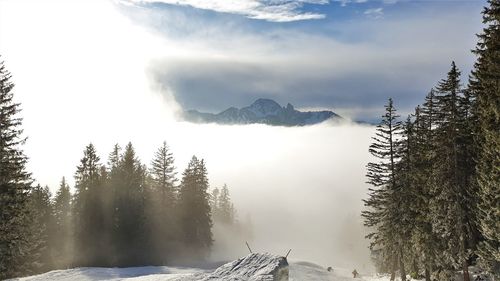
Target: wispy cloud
<point>345,2</point>
<point>269,10</point>
<point>376,13</point>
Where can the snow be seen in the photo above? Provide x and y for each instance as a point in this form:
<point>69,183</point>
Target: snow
<point>254,267</point>
<point>147,273</point>
<point>298,271</point>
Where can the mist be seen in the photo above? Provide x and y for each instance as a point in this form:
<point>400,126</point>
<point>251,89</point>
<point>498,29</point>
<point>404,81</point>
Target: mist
<point>301,188</point>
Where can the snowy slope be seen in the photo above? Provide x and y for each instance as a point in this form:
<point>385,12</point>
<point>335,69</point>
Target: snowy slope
<point>298,271</point>
<point>254,267</point>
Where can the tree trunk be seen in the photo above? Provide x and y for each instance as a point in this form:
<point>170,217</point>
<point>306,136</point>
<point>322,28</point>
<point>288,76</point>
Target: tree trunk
<point>427,274</point>
<point>402,265</point>
<point>415,268</point>
<point>466,271</point>
<point>394,267</point>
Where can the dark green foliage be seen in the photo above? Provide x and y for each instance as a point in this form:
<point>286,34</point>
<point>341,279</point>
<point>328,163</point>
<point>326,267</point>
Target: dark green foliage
<point>424,241</point>
<point>42,226</point>
<point>451,204</point>
<point>424,205</point>
<point>222,208</point>
<point>194,208</point>
<point>129,217</point>
<point>61,237</point>
<point>161,205</point>
<point>17,243</point>
<point>485,86</point>
<point>384,214</point>
<point>90,243</point>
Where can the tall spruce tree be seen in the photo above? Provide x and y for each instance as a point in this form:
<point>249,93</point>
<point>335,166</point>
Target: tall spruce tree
<point>163,174</point>
<point>194,207</point>
<point>40,202</point>
<point>453,219</point>
<point>383,214</point>
<point>485,86</point>
<point>88,211</point>
<point>129,235</point>
<point>226,211</point>
<point>161,204</point>
<point>16,241</point>
<point>62,237</point>
<point>423,238</point>
<point>214,203</point>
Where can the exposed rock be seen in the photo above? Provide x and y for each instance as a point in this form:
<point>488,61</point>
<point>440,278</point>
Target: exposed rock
<point>262,111</point>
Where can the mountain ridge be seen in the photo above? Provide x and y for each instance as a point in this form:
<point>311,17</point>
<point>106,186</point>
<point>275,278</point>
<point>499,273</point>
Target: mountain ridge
<point>262,111</point>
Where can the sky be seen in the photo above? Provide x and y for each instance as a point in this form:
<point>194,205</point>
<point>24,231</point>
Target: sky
<point>345,55</point>
<point>111,72</point>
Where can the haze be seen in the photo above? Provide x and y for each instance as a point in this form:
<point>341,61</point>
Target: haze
<point>85,72</point>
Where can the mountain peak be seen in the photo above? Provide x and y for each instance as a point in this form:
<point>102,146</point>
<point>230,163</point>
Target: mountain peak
<point>263,107</point>
<point>263,111</point>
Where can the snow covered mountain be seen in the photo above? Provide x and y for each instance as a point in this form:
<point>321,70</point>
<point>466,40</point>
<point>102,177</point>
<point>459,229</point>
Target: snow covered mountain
<point>262,111</point>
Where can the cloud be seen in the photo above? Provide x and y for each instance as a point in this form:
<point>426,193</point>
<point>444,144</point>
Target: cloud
<point>375,13</point>
<point>313,69</point>
<point>269,10</point>
<point>345,2</point>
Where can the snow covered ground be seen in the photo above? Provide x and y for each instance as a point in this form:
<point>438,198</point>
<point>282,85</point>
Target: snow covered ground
<point>254,267</point>
<point>302,271</point>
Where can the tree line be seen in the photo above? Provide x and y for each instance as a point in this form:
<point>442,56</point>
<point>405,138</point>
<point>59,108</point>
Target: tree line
<point>121,213</point>
<point>434,208</point>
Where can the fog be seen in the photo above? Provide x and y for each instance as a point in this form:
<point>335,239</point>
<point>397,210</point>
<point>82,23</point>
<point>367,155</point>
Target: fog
<point>301,187</point>
<point>82,81</point>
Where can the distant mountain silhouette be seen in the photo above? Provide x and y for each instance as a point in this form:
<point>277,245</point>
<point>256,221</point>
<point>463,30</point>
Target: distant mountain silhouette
<point>262,111</point>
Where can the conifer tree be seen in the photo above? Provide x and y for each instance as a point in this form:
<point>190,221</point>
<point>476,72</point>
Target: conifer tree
<point>16,241</point>
<point>423,238</point>
<point>453,217</point>
<point>194,207</point>
<point>42,225</point>
<point>383,213</point>
<point>161,203</point>
<point>225,207</point>
<point>163,174</point>
<point>88,212</point>
<point>214,203</point>
<point>129,234</point>
<point>485,86</point>
<point>62,236</point>
<point>114,157</point>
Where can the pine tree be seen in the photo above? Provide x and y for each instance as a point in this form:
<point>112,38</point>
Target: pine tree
<point>163,174</point>
<point>88,211</point>
<point>383,213</point>
<point>423,238</point>
<point>40,202</point>
<point>129,235</point>
<point>62,237</point>
<point>194,207</point>
<point>114,157</point>
<point>453,219</point>
<point>484,84</point>
<point>161,204</point>
<point>16,242</point>
<point>225,207</point>
<point>214,203</point>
